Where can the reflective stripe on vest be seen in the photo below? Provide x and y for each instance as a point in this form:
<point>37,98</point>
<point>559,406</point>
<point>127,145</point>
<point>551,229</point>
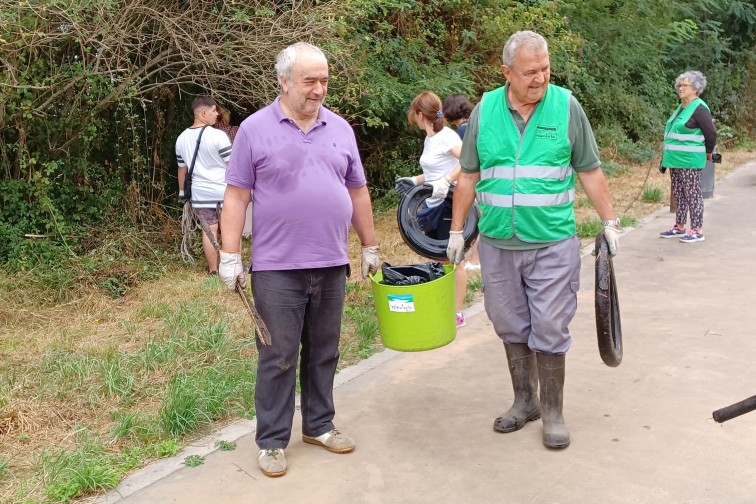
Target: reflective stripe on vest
<point>544,172</point>
<point>527,185</point>
<point>526,200</point>
<point>685,138</point>
<point>683,147</point>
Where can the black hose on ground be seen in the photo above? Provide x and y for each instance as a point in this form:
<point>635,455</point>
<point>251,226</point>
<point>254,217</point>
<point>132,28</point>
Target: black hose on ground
<point>735,410</point>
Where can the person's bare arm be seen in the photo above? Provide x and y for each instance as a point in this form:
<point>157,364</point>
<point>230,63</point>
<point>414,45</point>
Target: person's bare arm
<point>597,190</point>
<point>232,217</point>
<point>362,215</point>
<point>182,170</point>
<point>464,197</point>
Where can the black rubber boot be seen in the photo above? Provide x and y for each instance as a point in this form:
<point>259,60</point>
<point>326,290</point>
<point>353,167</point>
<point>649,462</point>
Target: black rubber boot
<point>524,372</point>
<point>551,377</point>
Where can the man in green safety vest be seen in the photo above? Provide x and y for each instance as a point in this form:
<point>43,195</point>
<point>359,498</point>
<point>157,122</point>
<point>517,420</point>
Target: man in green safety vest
<point>524,143</point>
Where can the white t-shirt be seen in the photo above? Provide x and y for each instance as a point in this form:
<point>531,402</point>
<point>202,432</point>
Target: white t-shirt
<point>209,175</point>
<point>437,159</point>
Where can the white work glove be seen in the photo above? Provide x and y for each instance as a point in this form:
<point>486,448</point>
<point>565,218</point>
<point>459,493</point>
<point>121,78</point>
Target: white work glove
<point>612,239</point>
<point>440,187</point>
<point>403,185</point>
<point>231,269</point>
<point>370,261</point>
<point>455,251</point>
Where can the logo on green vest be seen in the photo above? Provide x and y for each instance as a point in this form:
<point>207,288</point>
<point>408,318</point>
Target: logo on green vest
<point>546,132</point>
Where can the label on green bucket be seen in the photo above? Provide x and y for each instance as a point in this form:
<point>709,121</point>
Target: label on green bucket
<point>401,303</point>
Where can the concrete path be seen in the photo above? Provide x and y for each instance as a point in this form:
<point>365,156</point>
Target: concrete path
<point>641,433</point>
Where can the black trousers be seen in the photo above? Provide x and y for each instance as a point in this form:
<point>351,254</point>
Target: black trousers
<point>299,307</point>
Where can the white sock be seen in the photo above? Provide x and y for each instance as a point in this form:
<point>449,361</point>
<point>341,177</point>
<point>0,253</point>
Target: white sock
<point>459,314</point>
<point>323,437</point>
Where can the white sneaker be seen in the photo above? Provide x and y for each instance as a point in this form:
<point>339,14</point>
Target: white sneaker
<point>472,267</point>
<point>272,462</point>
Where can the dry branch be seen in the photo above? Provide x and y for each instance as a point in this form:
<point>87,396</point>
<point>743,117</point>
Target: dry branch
<point>129,49</point>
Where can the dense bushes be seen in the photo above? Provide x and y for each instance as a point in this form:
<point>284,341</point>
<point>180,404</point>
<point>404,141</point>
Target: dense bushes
<point>96,92</point>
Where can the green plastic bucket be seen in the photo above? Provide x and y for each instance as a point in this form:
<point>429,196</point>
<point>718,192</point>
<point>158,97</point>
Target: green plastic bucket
<point>420,317</point>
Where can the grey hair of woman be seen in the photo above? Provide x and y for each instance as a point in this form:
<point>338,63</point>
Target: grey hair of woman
<point>522,40</point>
<point>287,57</point>
<point>696,79</point>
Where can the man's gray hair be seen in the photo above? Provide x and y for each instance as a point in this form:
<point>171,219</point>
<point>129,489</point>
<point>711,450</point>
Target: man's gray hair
<point>522,40</point>
<point>287,57</point>
<point>696,79</point>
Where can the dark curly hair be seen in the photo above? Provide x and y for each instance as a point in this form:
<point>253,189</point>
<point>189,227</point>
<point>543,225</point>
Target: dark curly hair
<point>457,107</point>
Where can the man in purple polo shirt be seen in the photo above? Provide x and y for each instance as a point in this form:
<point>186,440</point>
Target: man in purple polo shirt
<point>302,162</point>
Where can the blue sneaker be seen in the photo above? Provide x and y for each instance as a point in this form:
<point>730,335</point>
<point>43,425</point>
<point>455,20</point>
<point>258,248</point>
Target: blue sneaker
<point>672,232</point>
<point>692,236</point>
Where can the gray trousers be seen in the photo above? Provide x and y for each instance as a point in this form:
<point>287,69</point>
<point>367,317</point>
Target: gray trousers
<point>531,295</point>
<point>299,307</point>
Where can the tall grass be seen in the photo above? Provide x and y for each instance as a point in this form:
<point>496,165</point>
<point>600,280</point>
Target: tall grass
<point>652,194</point>
<point>71,473</point>
<point>190,373</point>
<point>4,463</point>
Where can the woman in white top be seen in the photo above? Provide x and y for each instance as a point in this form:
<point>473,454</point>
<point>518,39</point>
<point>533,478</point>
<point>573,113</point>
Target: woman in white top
<point>440,164</point>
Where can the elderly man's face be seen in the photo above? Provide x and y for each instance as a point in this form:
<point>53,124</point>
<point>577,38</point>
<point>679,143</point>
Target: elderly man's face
<point>529,76</point>
<point>308,86</point>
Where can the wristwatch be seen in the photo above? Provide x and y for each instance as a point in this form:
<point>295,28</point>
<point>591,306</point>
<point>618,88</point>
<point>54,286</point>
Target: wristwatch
<point>615,222</point>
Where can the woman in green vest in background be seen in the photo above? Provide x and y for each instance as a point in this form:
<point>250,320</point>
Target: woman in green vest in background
<point>689,140</point>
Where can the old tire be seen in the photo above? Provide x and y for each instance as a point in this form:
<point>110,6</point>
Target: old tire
<point>608,326</point>
<point>406,216</point>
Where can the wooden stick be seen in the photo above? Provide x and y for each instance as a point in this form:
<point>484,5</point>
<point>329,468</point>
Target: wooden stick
<point>257,321</point>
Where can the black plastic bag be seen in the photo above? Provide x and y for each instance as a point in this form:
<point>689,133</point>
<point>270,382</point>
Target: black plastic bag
<point>411,274</point>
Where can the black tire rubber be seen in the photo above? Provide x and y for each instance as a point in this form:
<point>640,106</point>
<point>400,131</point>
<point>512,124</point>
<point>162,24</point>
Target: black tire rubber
<point>406,217</point>
<point>608,326</point>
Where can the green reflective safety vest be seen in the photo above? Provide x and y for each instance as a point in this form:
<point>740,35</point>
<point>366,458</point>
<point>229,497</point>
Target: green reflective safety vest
<point>683,147</point>
<point>527,186</point>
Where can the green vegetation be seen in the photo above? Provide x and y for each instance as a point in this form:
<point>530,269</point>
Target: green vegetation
<point>71,473</point>
<point>91,466</point>
<point>612,169</point>
<point>473,286</point>
<point>212,377</point>
<point>652,194</point>
<point>226,446</point>
<point>3,467</point>
<point>359,319</point>
<point>89,113</point>
<point>194,461</point>
<point>590,228</point>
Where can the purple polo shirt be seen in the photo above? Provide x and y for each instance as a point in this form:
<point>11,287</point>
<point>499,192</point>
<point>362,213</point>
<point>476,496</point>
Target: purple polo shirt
<point>302,209</point>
